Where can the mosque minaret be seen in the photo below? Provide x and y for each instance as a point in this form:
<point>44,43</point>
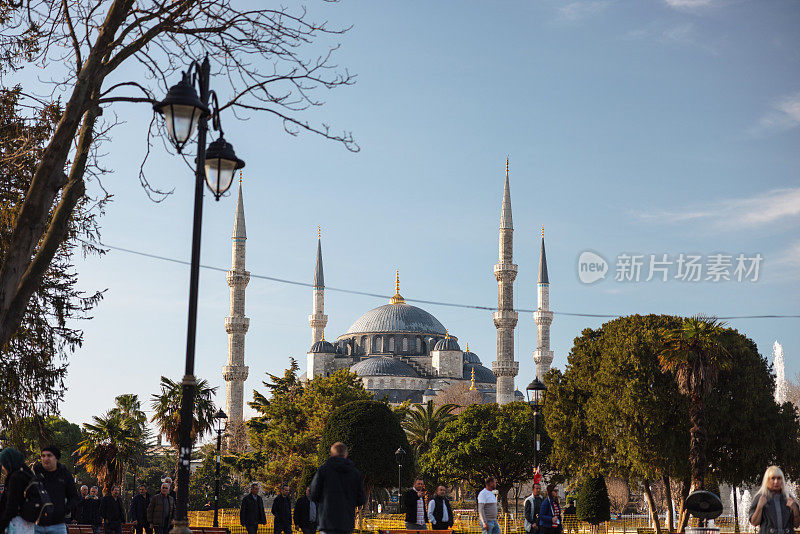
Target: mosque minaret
<point>505,318</point>
<point>317,320</point>
<point>543,317</point>
<point>236,324</point>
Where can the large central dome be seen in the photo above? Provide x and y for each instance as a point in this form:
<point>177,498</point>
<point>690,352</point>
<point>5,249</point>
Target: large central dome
<point>399,317</point>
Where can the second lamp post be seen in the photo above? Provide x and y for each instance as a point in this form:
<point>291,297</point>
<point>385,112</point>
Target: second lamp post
<point>536,392</point>
<point>184,113</point>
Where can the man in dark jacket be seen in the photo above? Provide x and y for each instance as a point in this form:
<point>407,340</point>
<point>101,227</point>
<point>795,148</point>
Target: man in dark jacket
<point>112,512</point>
<point>91,510</point>
<point>282,511</point>
<point>252,513</point>
<point>414,505</point>
<point>532,506</point>
<point>138,511</point>
<point>305,514</point>
<point>60,487</point>
<point>78,515</point>
<point>161,510</point>
<point>338,490</point>
<point>440,512</point>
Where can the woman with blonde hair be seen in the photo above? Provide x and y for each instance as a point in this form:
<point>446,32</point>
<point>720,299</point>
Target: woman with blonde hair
<point>774,509</point>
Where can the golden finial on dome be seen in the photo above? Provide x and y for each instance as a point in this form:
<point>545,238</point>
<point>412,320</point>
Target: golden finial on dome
<point>447,334</point>
<point>397,298</point>
<point>467,347</point>
<point>472,382</point>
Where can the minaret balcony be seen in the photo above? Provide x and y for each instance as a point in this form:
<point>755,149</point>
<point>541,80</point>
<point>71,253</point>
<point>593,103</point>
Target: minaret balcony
<point>505,267</point>
<point>235,373</point>
<point>543,317</point>
<point>505,368</point>
<point>505,318</point>
<point>237,325</point>
<point>238,278</point>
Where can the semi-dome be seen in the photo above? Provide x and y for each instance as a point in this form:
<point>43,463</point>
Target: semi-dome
<point>471,357</point>
<point>383,366</point>
<point>397,318</point>
<point>448,343</point>
<point>322,347</point>
<point>482,374</point>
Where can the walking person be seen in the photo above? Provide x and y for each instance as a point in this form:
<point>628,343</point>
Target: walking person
<point>251,513</point>
<point>18,476</point>
<point>533,505</point>
<point>338,490</point>
<point>487,508</point>
<point>305,513</point>
<point>282,511</point>
<point>161,510</point>
<point>550,512</point>
<point>774,510</point>
<point>60,486</point>
<point>137,513</point>
<point>414,504</point>
<point>440,512</point>
<point>112,512</point>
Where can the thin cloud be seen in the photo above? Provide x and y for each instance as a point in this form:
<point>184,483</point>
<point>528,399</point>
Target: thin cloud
<point>766,208</point>
<point>783,115</point>
<point>689,4</point>
<point>790,256</point>
<point>575,11</point>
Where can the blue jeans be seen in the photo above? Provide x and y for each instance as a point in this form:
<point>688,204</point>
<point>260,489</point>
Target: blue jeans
<point>60,528</point>
<point>491,528</point>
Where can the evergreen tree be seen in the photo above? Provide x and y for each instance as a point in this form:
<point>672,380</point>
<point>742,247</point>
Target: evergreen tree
<point>593,504</point>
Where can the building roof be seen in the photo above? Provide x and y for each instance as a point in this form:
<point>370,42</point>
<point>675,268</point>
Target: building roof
<point>239,228</point>
<point>319,278</point>
<point>471,357</point>
<point>322,347</point>
<point>448,343</point>
<point>383,366</point>
<point>543,278</point>
<point>482,374</point>
<point>397,318</point>
<point>505,209</point>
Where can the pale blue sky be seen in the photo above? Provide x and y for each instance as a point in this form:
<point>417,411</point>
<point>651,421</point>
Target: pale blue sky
<point>656,127</point>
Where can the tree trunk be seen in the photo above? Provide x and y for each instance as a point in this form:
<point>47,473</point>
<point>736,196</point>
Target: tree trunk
<point>503,491</point>
<point>684,515</point>
<point>652,504</point>
<point>697,441</point>
<point>735,512</point>
<point>670,507</point>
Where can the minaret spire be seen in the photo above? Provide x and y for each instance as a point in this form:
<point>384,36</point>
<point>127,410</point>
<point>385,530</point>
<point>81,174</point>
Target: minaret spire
<point>318,319</point>
<point>236,324</point>
<point>543,317</point>
<point>505,318</point>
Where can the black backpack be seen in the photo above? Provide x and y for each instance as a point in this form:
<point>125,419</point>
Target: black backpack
<point>37,505</point>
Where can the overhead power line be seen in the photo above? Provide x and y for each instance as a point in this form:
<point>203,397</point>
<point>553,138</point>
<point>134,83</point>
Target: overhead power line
<point>385,296</point>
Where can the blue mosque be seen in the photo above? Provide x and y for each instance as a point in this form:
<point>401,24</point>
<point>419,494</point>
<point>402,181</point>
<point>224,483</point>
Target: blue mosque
<point>401,352</point>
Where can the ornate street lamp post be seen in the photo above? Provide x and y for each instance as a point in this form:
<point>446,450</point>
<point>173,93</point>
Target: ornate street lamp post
<point>536,392</point>
<point>220,423</point>
<point>184,112</point>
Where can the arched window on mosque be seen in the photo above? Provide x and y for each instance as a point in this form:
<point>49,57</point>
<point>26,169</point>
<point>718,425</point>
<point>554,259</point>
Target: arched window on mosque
<point>377,346</point>
<point>419,345</point>
<point>405,344</point>
<point>391,344</point>
<point>365,344</point>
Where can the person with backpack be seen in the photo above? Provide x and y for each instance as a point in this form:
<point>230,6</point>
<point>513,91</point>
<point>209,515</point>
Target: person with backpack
<point>112,511</point>
<point>12,503</point>
<point>59,486</point>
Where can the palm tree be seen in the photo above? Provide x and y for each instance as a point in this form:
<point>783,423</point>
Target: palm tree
<point>129,407</point>
<point>423,422</point>
<point>167,408</point>
<point>694,353</point>
<point>111,441</point>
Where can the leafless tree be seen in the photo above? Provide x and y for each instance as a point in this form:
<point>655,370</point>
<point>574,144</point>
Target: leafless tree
<point>618,494</point>
<point>459,394</point>
<point>97,54</point>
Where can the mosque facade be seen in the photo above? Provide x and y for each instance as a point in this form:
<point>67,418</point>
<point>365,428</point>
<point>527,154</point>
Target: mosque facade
<point>400,351</point>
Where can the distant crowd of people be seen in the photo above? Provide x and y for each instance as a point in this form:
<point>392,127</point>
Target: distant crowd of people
<point>43,498</point>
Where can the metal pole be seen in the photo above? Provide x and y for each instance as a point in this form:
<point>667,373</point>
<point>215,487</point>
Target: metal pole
<point>535,437</point>
<point>188,384</point>
<point>399,478</point>
<point>216,480</point>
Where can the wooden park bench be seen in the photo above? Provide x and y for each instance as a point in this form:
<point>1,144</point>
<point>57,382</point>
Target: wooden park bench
<point>79,529</point>
<point>404,531</point>
<point>645,531</point>
<point>210,530</point>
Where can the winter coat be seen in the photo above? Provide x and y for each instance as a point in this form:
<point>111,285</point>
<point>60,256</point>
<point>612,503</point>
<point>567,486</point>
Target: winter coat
<point>533,506</point>
<point>769,517</point>
<point>252,511</point>
<point>138,509</point>
<point>112,511</point>
<point>338,490</point>
<point>410,500</point>
<point>282,510</point>
<point>13,496</point>
<point>302,510</point>
<point>155,510</point>
<point>60,487</point>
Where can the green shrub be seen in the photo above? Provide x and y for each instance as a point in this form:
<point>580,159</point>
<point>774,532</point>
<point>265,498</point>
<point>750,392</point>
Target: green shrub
<point>593,504</point>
